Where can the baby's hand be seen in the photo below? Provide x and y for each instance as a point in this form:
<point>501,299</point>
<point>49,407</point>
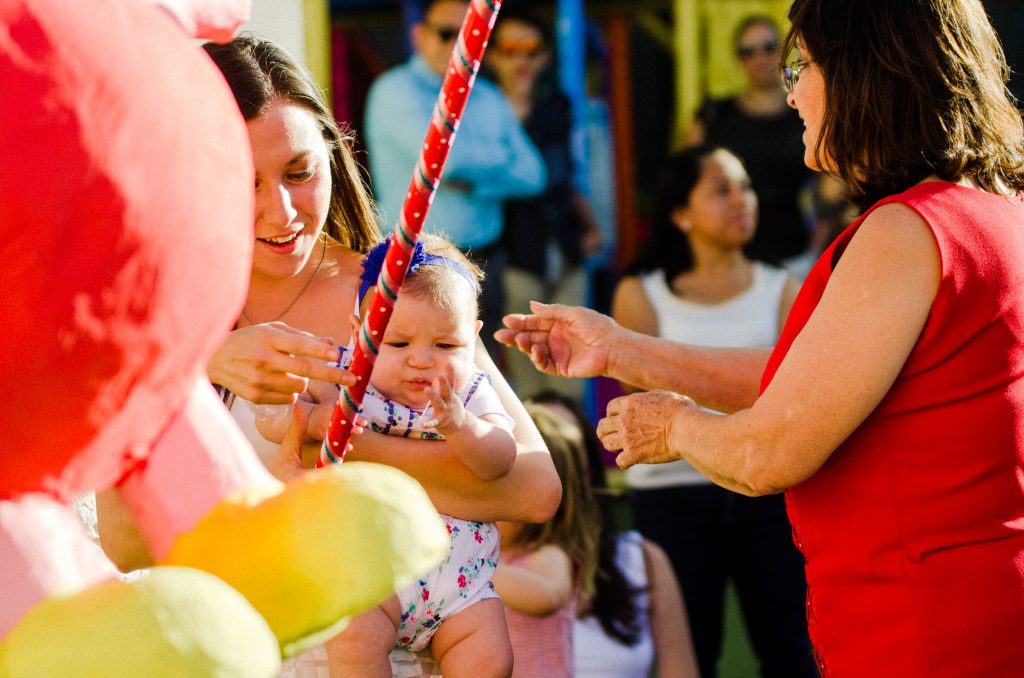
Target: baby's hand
<point>449,414</point>
<point>311,448</point>
<point>324,396</point>
<point>319,420</point>
<point>317,401</point>
<point>314,417</point>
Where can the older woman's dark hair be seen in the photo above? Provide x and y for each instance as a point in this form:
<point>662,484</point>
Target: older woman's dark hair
<point>912,88</point>
<point>258,71</point>
<point>668,248</point>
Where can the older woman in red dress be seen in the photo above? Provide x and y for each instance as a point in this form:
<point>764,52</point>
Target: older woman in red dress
<point>891,410</point>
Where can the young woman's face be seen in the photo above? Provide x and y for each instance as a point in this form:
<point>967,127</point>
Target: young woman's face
<point>808,98</point>
<point>293,188</point>
<point>424,340</point>
<point>758,51</point>
<point>723,207</point>
<point>518,54</point>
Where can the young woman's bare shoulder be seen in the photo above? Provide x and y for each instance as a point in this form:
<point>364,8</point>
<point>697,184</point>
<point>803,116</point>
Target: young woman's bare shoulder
<point>342,260</point>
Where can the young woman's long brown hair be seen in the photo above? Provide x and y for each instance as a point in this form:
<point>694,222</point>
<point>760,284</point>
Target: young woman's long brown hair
<point>910,93</point>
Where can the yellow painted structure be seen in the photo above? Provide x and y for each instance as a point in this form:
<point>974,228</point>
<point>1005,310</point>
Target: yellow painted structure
<point>316,15</point>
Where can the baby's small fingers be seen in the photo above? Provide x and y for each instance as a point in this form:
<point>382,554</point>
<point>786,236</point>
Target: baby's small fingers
<point>437,400</point>
<point>445,386</point>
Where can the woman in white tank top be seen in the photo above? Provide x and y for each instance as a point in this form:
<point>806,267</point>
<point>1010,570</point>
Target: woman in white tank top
<point>692,283</point>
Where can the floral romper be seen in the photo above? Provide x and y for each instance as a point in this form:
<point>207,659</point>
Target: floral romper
<point>464,577</point>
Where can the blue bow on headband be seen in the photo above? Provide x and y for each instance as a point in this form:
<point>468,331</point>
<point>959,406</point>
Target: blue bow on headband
<point>373,262</point>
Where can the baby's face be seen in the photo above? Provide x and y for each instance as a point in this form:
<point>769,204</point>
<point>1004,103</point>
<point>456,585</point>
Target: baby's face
<point>424,340</point>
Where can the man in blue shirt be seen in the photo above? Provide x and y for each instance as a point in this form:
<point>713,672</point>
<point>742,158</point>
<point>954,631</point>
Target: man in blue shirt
<point>492,160</point>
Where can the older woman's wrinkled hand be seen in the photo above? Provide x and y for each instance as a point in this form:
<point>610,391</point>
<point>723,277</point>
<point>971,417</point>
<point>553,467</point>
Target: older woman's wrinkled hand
<point>640,427</point>
<point>568,341</point>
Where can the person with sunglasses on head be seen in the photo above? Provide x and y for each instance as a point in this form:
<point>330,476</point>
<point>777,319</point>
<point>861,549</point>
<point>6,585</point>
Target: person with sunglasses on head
<point>890,409</point>
<point>546,236</point>
<point>492,160</point>
<point>758,126</point>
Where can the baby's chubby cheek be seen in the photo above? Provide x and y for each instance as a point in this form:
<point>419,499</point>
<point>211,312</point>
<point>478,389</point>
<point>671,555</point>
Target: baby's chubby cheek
<point>458,373</point>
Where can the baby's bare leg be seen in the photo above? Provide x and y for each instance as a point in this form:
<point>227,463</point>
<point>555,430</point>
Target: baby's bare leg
<point>362,649</point>
<point>473,643</point>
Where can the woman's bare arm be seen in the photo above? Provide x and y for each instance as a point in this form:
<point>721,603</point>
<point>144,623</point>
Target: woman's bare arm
<point>572,341</point>
<point>838,369</point>
<point>633,310</point>
<point>540,586</point>
<point>696,134</point>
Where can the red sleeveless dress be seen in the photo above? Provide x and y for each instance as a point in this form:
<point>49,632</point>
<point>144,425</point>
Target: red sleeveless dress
<point>913,530</point>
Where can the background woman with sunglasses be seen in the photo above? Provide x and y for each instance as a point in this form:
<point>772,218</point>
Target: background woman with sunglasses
<point>764,132</point>
<point>546,236</point>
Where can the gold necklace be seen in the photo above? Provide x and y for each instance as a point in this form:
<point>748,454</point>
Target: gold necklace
<point>323,253</point>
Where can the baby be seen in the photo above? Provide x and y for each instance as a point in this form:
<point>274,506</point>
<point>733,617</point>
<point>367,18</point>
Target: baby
<point>425,384</point>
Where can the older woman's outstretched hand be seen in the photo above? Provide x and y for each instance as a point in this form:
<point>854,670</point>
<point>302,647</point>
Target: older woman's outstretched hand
<point>271,363</point>
<point>568,341</point>
<point>640,425</point>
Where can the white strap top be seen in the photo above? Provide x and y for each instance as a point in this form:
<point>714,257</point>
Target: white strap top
<point>750,319</point>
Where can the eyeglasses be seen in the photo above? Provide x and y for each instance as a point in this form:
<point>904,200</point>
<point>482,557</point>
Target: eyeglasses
<point>528,47</point>
<point>791,73</point>
<point>444,33</point>
<point>747,51</point>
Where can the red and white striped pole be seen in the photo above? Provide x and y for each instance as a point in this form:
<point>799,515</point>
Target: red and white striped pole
<point>451,102</point>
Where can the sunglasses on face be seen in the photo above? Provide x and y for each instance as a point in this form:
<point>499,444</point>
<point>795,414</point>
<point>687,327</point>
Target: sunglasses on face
<point>747,51</point>
<point>528,47</point>
<point>443,33</point>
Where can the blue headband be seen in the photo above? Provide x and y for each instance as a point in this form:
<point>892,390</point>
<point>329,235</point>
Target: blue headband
<point>373,262</point>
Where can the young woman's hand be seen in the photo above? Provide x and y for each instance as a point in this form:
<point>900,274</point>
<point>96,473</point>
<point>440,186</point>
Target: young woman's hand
<point>271,363</point>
